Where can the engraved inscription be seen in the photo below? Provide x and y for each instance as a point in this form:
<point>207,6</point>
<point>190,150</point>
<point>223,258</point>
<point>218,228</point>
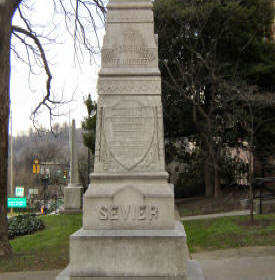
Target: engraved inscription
<point>109,159</point>
<point>150,87</point>
<point>130,51</point>
<point>130,16</point>
<point>128,213</point>
<point>129,131</point>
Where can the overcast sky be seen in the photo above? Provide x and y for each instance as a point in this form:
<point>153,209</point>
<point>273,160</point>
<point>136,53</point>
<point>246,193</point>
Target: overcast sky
<point>69,78</point>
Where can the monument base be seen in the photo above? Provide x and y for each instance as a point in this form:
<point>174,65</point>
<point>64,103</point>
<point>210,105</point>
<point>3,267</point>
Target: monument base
<point>130,254</point>
<point>72,199</point>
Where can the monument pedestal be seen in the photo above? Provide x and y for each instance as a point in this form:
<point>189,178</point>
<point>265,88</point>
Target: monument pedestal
<point>129,232</point>
<point>129,201</point>
<point>73,199</point>
<point>128,254</point>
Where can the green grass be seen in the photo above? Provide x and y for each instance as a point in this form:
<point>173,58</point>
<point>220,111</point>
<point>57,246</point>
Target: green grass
<point>230,232</point>
<point>43,250</point>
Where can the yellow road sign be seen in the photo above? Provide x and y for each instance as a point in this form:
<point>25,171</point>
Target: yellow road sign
<point>36,168</point>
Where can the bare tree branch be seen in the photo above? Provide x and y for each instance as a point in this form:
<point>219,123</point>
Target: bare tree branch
<point>78,15</point>
<point>37,42</point>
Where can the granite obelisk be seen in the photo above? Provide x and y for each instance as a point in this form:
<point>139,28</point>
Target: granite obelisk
<point>129,229</point>
<point>73,192</point>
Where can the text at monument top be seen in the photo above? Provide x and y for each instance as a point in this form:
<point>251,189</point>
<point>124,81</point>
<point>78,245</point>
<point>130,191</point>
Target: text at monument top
<point>129,47</point>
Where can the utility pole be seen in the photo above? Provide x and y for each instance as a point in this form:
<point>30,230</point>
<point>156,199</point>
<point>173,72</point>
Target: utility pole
<point>11,160</point>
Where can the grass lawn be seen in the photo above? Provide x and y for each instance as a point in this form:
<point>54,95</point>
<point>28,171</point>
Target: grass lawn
<point>49,249</point>
<point>230,232</point>
<point>43,250</point>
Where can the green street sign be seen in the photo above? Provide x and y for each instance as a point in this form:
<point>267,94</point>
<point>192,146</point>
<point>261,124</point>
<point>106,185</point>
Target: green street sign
<point>17,202</point>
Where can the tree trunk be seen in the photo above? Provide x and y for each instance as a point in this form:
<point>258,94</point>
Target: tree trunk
<point>207,174</point>
<point>250,183</point>
<point>6,13</point>
<point>217,181</point>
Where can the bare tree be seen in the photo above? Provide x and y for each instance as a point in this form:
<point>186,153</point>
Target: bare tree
<point>78,16</point>
<point>256,109</point>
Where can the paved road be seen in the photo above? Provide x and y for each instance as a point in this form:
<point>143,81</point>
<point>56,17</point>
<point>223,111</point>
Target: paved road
<point>34,275</point>
<point>249,268</point>
<point>251,263</point>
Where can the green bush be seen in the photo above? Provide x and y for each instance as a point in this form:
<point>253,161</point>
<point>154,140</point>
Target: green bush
<point>24,224</point>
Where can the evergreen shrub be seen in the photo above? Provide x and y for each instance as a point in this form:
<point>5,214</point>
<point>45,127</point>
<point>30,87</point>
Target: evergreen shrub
<point>24,225</point>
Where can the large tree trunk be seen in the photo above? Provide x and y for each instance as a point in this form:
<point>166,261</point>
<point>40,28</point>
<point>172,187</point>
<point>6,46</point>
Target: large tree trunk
<point>250,183</point>
<point>217,181</point>
<point>6,13</point>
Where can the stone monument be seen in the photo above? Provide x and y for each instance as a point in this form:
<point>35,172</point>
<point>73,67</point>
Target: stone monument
<point>73,192</point>
<point>129,229</point>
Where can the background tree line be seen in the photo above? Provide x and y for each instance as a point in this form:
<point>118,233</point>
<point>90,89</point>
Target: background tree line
<point>217,62</point>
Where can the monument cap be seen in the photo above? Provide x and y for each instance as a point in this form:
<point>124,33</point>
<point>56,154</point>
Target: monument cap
<point>129,4</point>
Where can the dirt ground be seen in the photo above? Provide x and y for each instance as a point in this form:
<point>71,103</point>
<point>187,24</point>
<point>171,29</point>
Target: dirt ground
<point>201,205</point>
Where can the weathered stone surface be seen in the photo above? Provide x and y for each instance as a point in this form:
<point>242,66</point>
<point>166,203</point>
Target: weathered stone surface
<point>194,272</point>
<point>129,153</point>
<point>73,192</point>
<point>74,178</point>
<point>72,198</point>
<point>129,229</point>
<point>129,204</point>
<point>130,135</point>
<point>128,254</point>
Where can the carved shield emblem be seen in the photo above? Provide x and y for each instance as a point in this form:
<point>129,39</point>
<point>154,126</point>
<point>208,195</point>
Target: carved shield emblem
<point>129,131</point>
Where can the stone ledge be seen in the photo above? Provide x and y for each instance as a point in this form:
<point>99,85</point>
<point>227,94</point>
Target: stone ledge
<point>114,72</point>
<point>87,234</point>
<point>194,272</point>
<point>120,176</point>
<point>130,5</point>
